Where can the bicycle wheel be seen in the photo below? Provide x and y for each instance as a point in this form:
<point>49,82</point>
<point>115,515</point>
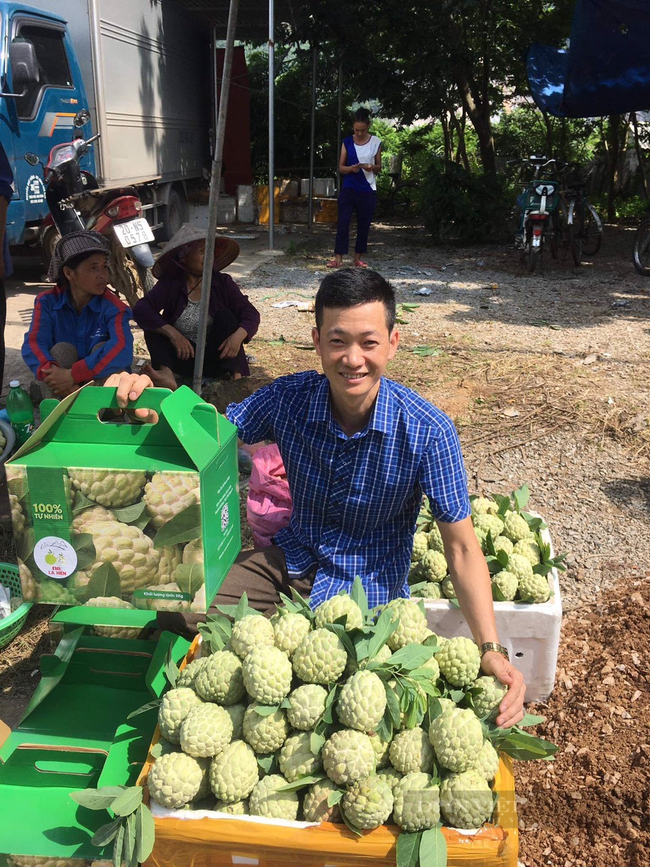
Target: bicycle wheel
<point>576,224</point>
<point>592,231</point>
<point>641,255</point>
<point>534,255</point>
<point>554,234</point>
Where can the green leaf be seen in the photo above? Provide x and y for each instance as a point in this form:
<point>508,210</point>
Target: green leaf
<point>519,744</point>
<point>531,719</point>
<point>385,728</point>
<point>503,503</point>
<point>106,833</point>
<point>409,308</point>
<point>97,799</point>
<point>240,610</point>
<point>130,841</point>
<point>183,527</point>
<point>424,350</point>
<point>128,801</point>
<point>339,630</point>
<point>189,577</point>
<point>105,582</point>
<point>392,706</point>
<point>265,709</point>
<point>171,669</point>
<point>267,762</point>
<point>352,827</point>
<point>334,797</point>
<point>408,849</point>
<point>410,657</point>
<point>133,513</point>
<point>316,743</point>
<point>358,595</point>
<point>301,782</point>
<point>150,705</point>
<point>145,833</point>
<point>521,497</point>
<point>433,848</point>
<point>85,550</point>
<point>382,631</point>
<point>80,503</point>
<point>329,704</point>
<point>118,846</point>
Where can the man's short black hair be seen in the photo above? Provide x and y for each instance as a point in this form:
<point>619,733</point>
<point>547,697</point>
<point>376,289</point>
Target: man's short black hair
<point>349,287</point>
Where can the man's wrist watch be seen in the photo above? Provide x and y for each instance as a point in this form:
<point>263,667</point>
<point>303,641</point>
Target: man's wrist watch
<point>495,648</point>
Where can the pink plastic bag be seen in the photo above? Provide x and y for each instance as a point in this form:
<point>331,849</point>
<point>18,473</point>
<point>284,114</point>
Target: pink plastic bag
<point>268,505</point>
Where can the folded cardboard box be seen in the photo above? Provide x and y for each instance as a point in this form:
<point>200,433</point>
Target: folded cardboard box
<point>109,512</point>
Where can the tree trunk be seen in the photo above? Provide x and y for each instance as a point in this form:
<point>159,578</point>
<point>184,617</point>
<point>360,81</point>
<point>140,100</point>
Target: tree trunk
<point>479,115</point>
<point>639,156</point>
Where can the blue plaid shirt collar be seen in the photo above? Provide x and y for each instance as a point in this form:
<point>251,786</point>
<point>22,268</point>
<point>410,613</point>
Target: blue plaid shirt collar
<point>383,413</point>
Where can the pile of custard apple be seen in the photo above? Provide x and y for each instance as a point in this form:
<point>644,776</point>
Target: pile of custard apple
<point>518,557</point>
<point>340,714</point>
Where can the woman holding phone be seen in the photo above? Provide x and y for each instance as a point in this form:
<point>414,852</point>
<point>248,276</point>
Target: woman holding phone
<point>359,164</point>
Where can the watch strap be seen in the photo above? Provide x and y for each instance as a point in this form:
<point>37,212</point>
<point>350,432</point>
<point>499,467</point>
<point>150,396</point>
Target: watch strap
<point>495,647</point>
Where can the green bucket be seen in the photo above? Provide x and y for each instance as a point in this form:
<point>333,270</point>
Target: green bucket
<point>11,626</point>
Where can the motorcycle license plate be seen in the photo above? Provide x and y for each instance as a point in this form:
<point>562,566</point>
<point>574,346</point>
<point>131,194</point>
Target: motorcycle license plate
<point>134,232</point>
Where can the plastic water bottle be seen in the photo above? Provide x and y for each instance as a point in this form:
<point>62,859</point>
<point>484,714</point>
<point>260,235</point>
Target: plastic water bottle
<point>21,412</point>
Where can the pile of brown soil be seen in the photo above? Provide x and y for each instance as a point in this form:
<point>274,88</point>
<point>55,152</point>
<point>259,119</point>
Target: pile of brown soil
<point>591,806</point>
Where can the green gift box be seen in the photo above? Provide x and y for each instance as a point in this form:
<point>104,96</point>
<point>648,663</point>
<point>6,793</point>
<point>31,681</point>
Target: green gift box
<point>113,513</point>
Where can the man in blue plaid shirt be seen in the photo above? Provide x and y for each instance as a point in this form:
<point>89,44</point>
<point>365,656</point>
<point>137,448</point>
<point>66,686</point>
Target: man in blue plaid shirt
<point>359,451</point>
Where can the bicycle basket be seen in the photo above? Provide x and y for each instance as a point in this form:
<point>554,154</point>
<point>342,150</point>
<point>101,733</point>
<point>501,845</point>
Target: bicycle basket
<point>11,626</point>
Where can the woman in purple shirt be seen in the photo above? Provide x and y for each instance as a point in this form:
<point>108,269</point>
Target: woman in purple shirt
<point>169,313</point>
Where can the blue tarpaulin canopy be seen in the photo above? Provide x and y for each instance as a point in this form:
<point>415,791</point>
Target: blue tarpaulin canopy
<point>606,69</point>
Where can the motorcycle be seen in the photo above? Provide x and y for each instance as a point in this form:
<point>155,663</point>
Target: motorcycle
<point>539,203</point>
<point>75,202</point>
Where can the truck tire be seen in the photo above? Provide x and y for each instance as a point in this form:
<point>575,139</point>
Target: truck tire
<point>48,242</point>
<point>173,216</point>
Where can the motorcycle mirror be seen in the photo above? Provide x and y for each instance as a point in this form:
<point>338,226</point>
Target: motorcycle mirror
<point>82,117</point>
<point>32,159</point>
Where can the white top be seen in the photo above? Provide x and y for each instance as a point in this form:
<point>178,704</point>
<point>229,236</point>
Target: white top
<point>366,154</point>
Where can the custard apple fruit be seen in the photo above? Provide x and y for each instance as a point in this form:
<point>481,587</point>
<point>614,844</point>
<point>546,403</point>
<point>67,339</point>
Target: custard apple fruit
<point>206,730</point>
<point>428,590</point>
<point>362,701</point>
<point>128,550</point>
<point>320,657</point>
<point>390,775</point>
<point>174,707</point>
<point>251,631</point>
<point>267,674</point>
<point>504,586</point>
<point>54,593</point>
<point>175,780</point>
<point>515,527</point>
<point>170,559</point>
<point>529,549</point>
<point>168,494</point>
<point>411,752</point>
<point>306,706</point>
<point>108,488</point>
<point>412,627</point>
<point>234,772</point>
<point>335,608</point>
<point>487,761</point>
<point>368,803</point>
<point>265,734</point>
<point>434,538</point>
<point>94,515</point>
<point>484,506</point>
<point>221,679</point>
<point>188,675</point>
<point>433,566</point>
<point>534,588</point>
<point>488,523</point>
<point>457,736</point>
<point>447,587</point>
<point>459,660</point>
<point>503,543</point>
<point>466,799</point>
<point>420,546</point>
<point>266,800</point>
<point>29,588</point>
<point>416,802</point>
<point>520,567</point>
<point>17,515</point>
<point>348,756</point>
<point>112,631</point>
<point>315,807</point>
<point>236,713</point>
<point>487,695</point>
<point>381,748</point>
<point>296,758</point>
<point>289,630</point>
<point>239,808</point>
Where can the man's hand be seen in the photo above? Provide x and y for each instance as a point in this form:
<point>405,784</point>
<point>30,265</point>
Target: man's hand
<point>181,344</point>
<point>60,380</point>
<point>511,709</point>
<point>129,388</point>
<point>231,345</point>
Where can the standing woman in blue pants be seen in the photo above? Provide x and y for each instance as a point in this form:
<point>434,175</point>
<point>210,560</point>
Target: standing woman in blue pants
<point>359,164</point>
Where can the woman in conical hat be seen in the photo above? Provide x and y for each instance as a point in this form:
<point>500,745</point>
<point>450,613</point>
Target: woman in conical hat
<point>169,313</point>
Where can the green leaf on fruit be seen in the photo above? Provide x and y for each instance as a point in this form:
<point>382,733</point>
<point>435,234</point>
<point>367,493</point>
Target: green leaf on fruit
<point>183,527</point>
<point>189,577</point>
<point>105,582</point>
<point>408,849</point>
<point>131,514</point>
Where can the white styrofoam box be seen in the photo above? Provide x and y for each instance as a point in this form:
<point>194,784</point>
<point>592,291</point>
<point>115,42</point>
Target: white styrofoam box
<point>245,204</point>
<point>226,213</point>
<point>530,631</point>
<point>323,187</point>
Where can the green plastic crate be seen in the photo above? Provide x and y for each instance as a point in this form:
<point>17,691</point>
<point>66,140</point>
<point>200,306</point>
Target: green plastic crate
<point>11,626</point>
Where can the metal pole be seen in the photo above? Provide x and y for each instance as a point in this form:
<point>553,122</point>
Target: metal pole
<point>213,205</point>
<point>339,124</point>
<point>271,126</point>
<point>312,137</point>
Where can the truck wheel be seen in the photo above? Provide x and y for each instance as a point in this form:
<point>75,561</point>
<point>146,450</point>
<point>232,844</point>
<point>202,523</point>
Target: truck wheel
<point>173,216</point>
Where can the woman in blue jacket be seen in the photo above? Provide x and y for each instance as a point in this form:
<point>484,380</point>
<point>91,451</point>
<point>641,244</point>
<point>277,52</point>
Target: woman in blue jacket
<point>80,328</point>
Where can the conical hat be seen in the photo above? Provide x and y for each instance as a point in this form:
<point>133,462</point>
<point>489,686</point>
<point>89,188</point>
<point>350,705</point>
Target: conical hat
<point>226,250</point>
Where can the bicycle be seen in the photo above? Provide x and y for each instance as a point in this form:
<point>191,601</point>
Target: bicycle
<point>641,253</point>
<point>584,228</point>
<point>538,221</point>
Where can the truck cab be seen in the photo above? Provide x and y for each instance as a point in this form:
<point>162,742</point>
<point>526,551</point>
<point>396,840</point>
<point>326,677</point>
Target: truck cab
<point>41,91</point>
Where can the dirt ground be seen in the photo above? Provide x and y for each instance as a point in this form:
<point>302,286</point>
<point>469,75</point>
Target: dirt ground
<point>546,378</point>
